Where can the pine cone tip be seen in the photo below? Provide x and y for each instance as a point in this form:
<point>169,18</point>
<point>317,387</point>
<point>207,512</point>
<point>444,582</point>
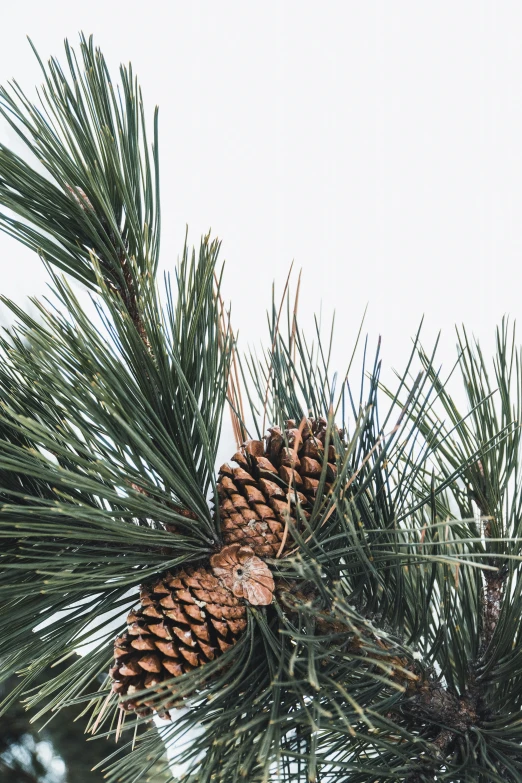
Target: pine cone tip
<point>245,574</point>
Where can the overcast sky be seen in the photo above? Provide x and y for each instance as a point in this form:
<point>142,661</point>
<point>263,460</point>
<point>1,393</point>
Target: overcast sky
<point>377,144</point>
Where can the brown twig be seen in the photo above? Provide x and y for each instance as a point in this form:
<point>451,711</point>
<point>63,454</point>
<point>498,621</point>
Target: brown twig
<point>493,580</point>
<point>235,397</point>
<point>276,332</point>
<point>131,300</point>
<point>127,292</point>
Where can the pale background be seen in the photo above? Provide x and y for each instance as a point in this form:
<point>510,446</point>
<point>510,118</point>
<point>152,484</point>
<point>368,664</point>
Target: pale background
<point>377,144</point>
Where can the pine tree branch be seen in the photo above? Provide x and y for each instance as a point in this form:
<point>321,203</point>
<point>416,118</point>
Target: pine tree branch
<point>493,581</point>
<point>99,202</point>
<point>433,704</point>
<point>492,605</point>
<point>131,300</point>
<point>426,701</point>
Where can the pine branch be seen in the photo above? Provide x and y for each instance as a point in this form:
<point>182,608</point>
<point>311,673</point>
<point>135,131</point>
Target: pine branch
<point>98,203</point>
<point>493,582</point>
<point>478,455</point>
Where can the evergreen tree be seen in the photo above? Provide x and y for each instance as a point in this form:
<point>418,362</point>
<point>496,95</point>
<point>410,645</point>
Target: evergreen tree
<point>341,604</point>
<point>43,751</point>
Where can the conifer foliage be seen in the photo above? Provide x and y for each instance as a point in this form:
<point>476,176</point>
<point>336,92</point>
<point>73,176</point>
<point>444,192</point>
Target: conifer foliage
<point>340,602</point>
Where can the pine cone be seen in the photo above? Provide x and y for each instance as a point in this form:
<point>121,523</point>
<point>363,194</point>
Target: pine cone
<point>256,498</point>
<point>185,620</point>
<point>245,575</point>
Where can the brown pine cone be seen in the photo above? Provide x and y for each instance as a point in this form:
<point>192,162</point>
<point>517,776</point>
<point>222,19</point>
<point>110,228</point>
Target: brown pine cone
<point>185,620</point>
<point>245,575</point>
<point>256,497</point>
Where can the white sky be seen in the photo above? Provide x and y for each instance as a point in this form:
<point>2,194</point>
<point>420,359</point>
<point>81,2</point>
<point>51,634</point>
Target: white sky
<point>378,144</point>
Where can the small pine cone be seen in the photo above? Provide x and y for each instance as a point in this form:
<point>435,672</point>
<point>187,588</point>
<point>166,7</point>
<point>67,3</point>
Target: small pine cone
<point>185,620</point>
<point>257,497</point>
